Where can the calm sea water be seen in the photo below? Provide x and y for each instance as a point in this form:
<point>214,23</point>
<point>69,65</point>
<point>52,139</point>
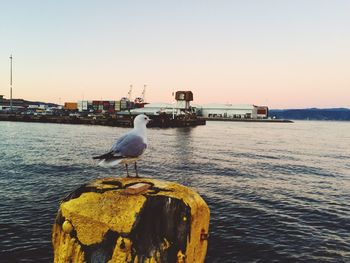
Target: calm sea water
<point>277,192</point>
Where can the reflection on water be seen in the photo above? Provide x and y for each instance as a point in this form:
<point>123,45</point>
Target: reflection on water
<point>277,192</point>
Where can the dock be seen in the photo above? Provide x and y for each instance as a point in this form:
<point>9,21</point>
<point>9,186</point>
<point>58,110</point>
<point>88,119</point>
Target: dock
<point>161,121</point>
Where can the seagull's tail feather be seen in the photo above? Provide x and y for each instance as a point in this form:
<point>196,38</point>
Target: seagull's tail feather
<point>109,162</point>
<point>108,155</point>
<point>108,159</point>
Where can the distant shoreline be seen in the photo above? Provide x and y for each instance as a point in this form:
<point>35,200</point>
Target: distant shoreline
<point>335,114</point>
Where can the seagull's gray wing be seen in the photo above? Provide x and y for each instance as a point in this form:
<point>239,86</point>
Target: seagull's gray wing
<point>119,142</point>
<point>129,145</point>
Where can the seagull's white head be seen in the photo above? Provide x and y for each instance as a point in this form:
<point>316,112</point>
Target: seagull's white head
<point>141,121</point>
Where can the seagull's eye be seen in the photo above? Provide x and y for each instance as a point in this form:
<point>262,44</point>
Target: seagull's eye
<point>145,118</point>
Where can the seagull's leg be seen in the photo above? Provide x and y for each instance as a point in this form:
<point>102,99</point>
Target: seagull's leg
<point>137,174</point>
<point>127,170</point>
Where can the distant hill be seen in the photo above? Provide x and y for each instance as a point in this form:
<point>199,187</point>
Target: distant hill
<point>336,114</point>
<point>24,103</point>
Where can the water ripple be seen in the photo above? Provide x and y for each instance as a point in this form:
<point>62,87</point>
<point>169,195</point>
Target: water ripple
<point>277,193</point>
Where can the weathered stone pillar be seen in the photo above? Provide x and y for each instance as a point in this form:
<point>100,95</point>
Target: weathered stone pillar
<point>131,220</point>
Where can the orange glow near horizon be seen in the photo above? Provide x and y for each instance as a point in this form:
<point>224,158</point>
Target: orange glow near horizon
<point>274,54</point>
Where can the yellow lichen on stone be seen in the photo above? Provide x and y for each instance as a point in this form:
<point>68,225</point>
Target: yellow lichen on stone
<point>181,257</point>
<point>122,251</point>
<point>66,249</point>
<point>101,212</point>
<point>197,248</point>
<point>165,245</point>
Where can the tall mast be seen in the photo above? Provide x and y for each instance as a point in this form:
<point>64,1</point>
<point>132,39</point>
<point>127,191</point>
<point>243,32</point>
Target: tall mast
<point>11,83</point>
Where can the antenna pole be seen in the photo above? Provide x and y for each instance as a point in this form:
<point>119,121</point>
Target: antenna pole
<point>129,93</point>
<point>144,93</point>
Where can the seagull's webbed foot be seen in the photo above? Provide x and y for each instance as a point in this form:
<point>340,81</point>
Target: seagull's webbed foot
<point>127,170</point>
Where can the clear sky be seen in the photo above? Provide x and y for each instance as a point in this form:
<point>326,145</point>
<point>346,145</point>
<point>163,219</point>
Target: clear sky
<point>282,53</point>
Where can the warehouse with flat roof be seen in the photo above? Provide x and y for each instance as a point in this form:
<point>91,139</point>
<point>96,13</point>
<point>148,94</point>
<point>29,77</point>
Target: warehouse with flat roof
<point>244,111</point>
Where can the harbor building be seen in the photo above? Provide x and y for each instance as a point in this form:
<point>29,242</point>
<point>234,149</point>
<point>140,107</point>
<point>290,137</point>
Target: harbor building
<point>244,111</point>
<point>181,106</point>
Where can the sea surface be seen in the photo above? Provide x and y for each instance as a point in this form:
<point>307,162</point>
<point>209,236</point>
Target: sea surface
<point>277,192</point>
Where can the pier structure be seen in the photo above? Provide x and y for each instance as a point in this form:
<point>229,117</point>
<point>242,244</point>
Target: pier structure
<point>162,120</point>
<point>131,220</point>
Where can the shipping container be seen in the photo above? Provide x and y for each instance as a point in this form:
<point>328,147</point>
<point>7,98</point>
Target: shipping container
<point>117,106</point>
<point>70,106</point>
<point>82,105</point>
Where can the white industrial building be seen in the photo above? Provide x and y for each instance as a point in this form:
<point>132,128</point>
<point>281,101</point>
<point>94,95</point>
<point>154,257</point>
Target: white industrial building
<point>245,111</point>
<point>225,111</point>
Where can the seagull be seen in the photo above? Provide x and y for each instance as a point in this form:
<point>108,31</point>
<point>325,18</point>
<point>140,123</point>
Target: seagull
<point>128,148</point>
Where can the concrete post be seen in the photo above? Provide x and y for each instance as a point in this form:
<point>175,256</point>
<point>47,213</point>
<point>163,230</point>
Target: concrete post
<point>131,220</point>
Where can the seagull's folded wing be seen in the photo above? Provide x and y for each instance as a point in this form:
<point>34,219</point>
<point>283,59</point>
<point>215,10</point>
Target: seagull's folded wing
<point>130,145</point>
